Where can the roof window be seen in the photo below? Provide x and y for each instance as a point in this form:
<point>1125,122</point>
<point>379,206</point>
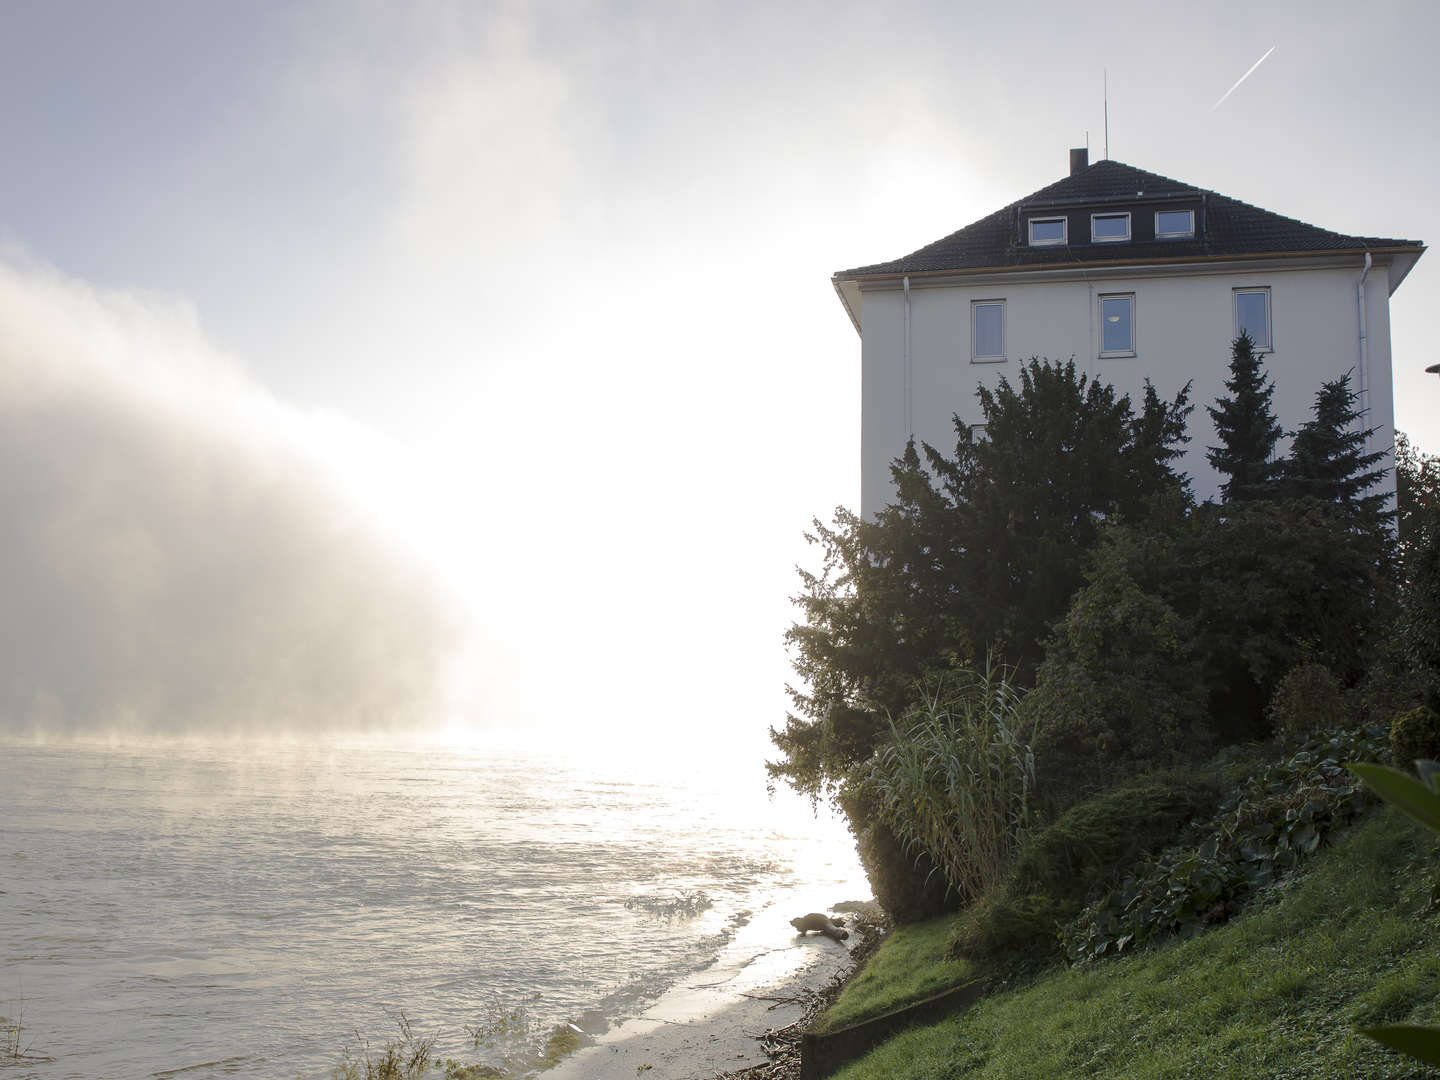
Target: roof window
<point>1110,228</point>
<point>1174,224</point>
<point>1047,231</point>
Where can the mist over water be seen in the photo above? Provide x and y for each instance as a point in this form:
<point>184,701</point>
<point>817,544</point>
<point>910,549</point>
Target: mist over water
<point>176,553</point>
<point>232,909</point>
<point>199,874</point>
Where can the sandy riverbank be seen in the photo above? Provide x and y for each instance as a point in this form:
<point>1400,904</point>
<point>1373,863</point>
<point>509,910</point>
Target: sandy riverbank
<point>712,1022</point>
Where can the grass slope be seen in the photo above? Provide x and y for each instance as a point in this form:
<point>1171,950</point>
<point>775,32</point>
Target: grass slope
<point>909,967</point>
<point>1276,993</point>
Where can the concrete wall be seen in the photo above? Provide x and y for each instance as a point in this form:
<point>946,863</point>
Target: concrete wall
<point>1184,324</point>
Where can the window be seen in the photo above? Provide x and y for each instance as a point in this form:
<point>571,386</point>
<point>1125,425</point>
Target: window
<point>978,433</point>
<point>1110,228</point>
<point>987,331</point>
<point>1117,325</point>
<point>1048,231</point>
<point>1252,316</point>
<point>1174,224</point>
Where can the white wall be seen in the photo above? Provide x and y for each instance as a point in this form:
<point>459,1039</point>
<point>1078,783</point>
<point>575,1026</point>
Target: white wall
<point>1183,329</point>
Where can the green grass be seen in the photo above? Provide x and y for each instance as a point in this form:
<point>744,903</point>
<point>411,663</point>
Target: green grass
<point>1276,993</point>
<point>909,967</point>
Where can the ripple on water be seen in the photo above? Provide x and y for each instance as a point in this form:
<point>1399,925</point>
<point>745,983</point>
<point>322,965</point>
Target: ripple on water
<point>242,910</point>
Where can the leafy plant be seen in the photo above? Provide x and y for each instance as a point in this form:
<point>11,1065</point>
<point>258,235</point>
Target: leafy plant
<point>1419,799</point>
<point>1253,839</point>
<point>957,778</point>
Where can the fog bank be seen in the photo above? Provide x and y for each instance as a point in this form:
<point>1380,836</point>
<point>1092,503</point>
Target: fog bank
<point>177,550</point>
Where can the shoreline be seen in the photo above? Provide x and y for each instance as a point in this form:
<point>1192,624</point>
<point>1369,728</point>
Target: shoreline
<point>716,1021</point>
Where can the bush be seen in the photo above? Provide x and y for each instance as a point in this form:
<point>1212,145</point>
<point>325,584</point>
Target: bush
<point>1308,699</point>
<point>1067,863</point>
<point>1387,688</point>
<point>1415,736</point>
<point>1255,837</point>
<point>907,886</point>
<point>1195,619</point>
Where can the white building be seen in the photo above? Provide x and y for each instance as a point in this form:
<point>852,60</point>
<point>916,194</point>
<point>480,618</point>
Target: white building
<point>1136,276</point>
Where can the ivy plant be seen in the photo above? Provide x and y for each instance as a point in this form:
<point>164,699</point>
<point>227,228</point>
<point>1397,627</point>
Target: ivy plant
<point>1254,838</point>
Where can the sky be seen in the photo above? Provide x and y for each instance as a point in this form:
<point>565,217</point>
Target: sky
<point>477,364</point>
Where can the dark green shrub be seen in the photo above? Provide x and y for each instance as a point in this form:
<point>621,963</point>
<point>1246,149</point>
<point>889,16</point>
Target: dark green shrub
<point>1308,699</point>
<point>907,885</point>
<point>1415,736</point>
<point>1006,923</point>
<point>1067,863</point>
<point>1254,838</point>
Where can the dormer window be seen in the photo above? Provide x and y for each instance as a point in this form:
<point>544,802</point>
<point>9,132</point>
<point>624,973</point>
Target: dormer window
<point>1047,231</point>
<point>1110,228</point>
<point>1174,224</point>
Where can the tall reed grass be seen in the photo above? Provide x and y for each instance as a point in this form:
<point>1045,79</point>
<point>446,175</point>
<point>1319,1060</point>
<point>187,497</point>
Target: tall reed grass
<point>957,778</point>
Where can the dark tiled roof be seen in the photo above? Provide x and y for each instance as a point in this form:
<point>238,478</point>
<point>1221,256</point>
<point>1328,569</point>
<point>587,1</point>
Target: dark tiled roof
<point>1231,227</point>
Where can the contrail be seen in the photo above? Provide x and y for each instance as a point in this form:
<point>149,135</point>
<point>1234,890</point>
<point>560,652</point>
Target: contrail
<point>1242,78</point>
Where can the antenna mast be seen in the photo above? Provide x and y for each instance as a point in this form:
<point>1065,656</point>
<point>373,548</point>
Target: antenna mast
<point>1106,94</point>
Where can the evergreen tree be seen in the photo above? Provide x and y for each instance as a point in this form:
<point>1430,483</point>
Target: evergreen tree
<point>1247,429</point>
<point>1328,460</point>
<point>979,551</point>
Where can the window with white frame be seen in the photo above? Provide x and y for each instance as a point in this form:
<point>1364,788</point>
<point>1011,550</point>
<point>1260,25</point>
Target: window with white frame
<point>1110,228</point>
<point>1252,316</point>
<point>1117,325</point>
<point>1174,224</point>
<point>1047,231</point>
<point>987,331</point>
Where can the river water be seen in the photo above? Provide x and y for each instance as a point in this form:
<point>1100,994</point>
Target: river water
<point>181,908</point>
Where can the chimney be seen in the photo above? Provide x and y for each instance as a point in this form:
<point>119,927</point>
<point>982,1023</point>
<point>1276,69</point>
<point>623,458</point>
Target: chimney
<point>1079,160</point>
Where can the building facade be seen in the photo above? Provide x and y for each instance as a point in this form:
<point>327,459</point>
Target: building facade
<point>1136,276</point>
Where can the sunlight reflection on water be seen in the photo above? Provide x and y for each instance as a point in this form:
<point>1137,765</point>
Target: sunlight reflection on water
<point>165,905</point>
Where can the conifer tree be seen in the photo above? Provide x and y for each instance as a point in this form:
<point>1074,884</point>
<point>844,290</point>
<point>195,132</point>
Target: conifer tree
<point>1247,429</point>
<point>1328,459</point>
